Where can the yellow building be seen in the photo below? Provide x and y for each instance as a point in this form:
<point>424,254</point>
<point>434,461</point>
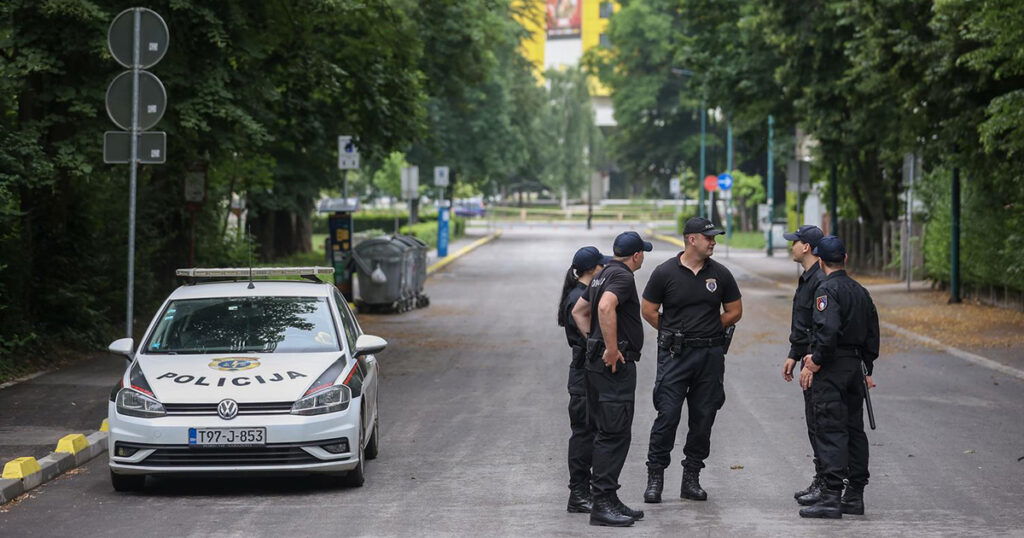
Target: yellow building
<point>561,32</point>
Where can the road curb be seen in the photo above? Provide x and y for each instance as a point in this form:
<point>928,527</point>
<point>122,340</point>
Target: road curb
<point>441,264</point>
<point>54,464</point>
<point>927,340</point>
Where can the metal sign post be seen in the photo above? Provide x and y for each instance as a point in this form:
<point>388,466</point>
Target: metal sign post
<point>725,185</point>
<point>340,223</point>
<point>137,39</point>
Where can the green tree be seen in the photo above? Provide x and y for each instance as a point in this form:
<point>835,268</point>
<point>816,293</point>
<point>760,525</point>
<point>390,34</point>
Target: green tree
<point>574,136</point>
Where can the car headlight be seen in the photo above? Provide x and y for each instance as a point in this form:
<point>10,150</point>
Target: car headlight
<point>137,404</point>
<point>329,400</point>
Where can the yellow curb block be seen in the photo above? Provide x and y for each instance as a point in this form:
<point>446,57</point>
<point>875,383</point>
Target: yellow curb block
<point>21,467</point>
<point>667,239</point>
<point>440,264</point>
<point>105,426</point>
<point>73,443</point>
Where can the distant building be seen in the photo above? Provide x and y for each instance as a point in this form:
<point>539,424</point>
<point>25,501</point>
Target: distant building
<point>561,32</point>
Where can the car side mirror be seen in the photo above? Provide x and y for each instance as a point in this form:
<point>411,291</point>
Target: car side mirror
<point>368,344</point>
<point>123,346</point>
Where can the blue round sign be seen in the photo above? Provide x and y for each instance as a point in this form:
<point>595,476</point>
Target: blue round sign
<point>724,181</point>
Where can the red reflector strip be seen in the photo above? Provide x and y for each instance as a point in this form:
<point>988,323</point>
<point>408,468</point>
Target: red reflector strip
<point>140,389</point>
<point>316,388</point>
<point>348,378</point>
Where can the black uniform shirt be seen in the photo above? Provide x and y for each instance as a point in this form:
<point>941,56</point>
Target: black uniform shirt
<point>618,279</point>
<point>845,321</point>
<point>691,303</point>
<point>572,332</point>
<point>803,308</point>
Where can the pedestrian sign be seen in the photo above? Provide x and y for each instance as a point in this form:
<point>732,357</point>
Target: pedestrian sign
<point>440,176</point>
<point>348,154</point>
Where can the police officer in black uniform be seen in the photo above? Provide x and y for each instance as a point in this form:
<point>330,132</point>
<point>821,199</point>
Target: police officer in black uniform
<point>838,372</point>
<point>613,346</point>
<point>587,263</point>
<point>804,240</point>
<point>692,290</point>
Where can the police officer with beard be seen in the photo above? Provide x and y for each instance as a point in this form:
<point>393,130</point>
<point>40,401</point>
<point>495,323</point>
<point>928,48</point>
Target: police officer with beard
<point>804,240</point>
<point>615,339</point>
<point>838,372</point>
<point>698,298</point>
<point>587,263</point>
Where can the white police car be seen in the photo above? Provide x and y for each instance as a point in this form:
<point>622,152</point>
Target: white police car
<point>247,376</point>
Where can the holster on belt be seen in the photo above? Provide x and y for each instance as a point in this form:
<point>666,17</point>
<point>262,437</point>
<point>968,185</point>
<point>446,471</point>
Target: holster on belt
<point>729,332</point>
<point>595,348</point>
<point>579,355</point>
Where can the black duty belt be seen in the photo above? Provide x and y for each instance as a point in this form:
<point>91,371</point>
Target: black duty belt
<point>595,348</point>
<point>848,352</point>
<point>676,341</point>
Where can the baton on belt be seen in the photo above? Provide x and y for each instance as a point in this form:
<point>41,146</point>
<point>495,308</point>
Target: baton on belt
<point>867,395</point>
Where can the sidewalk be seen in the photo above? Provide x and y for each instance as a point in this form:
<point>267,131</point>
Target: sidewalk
<point>72,399</point>
<point>992,332</point>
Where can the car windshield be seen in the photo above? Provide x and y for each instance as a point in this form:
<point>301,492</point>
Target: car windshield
<point>245,324</point>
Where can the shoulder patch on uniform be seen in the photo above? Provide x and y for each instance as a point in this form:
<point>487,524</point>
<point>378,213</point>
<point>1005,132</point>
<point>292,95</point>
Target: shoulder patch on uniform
<point>711,284</point>
<point>821,303</point>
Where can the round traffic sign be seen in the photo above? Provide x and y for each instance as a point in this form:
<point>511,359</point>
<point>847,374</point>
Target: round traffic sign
<point>724,181</point>
<point>153,37</point>
<point>711,183</point>
<point>152,100</point>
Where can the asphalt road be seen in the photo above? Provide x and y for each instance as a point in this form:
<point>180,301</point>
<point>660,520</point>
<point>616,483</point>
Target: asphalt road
<point>475,429</point>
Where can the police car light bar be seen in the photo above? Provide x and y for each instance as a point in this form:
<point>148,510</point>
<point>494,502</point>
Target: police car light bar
<point>244,272</point>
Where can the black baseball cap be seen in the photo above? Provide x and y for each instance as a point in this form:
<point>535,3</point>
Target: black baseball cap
<point>629,243</point>
<point>831,249</point>
<point>807,233</point>
<point>700,225</point>
<point>587,258</point>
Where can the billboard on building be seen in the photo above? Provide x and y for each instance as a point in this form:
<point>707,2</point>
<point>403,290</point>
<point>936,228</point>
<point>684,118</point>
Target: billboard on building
<point>564,18</point>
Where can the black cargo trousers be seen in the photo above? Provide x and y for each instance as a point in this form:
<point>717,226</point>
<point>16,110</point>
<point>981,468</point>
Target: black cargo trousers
<point>693,374</point>
<point>581,442</point>
<point>809,418</point>
<point>837,394</point>
<point>610,398</point>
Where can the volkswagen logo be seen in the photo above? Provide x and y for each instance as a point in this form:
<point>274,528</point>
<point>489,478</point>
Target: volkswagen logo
<point>227,409</point>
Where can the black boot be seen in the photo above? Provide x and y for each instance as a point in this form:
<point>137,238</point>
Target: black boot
<point>580,500</point>
<point>606,513</point>
<point>690,488</point>
<point>655,483</point>
<point>815,484</point>
<point>853,501</point>
<point>637,515</point>
<point>813,493</point>
<point>826,507</point>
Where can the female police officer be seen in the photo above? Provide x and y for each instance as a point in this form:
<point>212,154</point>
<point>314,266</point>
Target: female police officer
<point>587,262</point>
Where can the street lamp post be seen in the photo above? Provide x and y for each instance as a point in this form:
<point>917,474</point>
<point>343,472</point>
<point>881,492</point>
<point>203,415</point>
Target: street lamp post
<point>728,166</point>
<point>771,184</point>
<point>703,150</point>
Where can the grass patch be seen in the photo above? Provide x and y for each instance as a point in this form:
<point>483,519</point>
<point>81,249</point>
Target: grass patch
<point>754,240</point>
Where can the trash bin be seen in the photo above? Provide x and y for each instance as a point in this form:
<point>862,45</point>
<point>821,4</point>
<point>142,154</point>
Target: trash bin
<point>391,272</point>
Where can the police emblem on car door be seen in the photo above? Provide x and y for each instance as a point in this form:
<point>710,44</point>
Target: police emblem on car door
<point>711,284</point>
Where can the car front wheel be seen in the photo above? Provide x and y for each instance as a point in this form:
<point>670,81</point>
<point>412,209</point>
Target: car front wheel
<point>357,477</point>
<point>373,445</point>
